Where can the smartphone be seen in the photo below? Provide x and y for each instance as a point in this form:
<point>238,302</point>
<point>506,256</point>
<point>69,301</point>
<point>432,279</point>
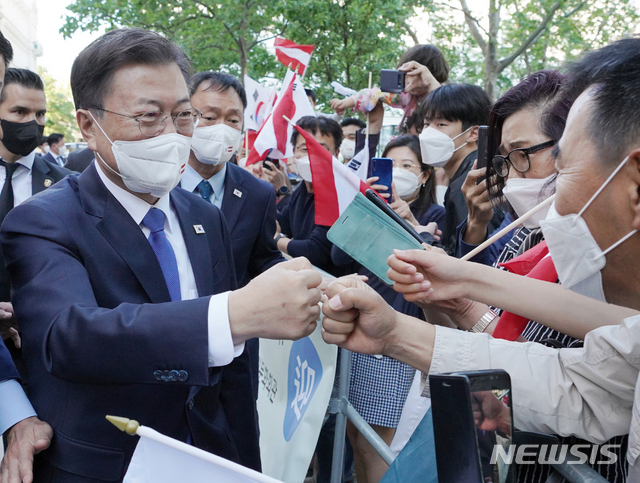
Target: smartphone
<point>383,169</point>
<point>483,147</point>
<point>266,166</point>
<point>380,203</point>
<point>392,81</point>
<point>473,426</point>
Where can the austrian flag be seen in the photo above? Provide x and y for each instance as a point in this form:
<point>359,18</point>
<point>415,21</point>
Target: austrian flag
<point>290,53</point>
<point>334,185</point>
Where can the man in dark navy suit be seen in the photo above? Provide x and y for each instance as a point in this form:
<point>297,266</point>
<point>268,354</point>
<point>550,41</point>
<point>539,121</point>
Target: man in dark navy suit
<point>79,160</point>
<point>25,433</point>
<point>124,284</point>
<point>57,154</point>
<point>248,204</point>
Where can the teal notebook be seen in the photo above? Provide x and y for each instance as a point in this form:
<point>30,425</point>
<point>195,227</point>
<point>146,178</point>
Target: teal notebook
<point>369,236</point>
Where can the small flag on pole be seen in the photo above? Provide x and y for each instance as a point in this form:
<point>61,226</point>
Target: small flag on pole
<point>359,164</point>
<point>274,136</point>
<point>334,185</point>
<point>290,53</point>
<point>160,459</point>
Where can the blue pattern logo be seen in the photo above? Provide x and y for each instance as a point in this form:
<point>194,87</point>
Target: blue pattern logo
<point>305,374</point>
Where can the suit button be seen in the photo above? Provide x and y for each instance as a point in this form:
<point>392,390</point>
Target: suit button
<point>158,375</point>
<point>183,376</point>
<point>190,404</point>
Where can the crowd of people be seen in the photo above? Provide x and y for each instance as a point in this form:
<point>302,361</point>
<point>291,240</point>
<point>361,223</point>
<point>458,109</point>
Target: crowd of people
<point>138,275</point>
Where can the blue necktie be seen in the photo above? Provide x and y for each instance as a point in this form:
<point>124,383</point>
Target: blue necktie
<point>154,220</point>
<point>205,190</point>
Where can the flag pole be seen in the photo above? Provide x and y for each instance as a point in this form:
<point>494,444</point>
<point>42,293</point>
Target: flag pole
<point>132,427</point>
<point>367,138</point>
<point>508,228</point>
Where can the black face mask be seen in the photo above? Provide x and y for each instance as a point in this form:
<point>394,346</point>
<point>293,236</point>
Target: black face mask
<point>21,137</point>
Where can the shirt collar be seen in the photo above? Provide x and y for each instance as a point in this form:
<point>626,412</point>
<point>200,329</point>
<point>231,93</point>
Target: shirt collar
<point>136,207</point>
<point>27,161</point>
<point>191,179</point>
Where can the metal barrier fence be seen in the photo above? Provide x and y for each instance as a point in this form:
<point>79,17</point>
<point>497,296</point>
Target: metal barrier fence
<point>340,406</point>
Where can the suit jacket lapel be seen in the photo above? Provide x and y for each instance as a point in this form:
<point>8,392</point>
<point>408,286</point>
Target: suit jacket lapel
<point>124,235</point>
<point>197,243</point>
<point>41,177</point>
<point>232,203</point>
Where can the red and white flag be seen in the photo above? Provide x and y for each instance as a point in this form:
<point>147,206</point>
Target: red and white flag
<point>273,138</point>
<point>290,53</point>
<point>258,104</point>
<point>334,185</point>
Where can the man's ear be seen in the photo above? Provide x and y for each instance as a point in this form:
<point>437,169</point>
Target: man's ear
<point>634,190</point>
<point>473,134</point>
<point>87,128</point>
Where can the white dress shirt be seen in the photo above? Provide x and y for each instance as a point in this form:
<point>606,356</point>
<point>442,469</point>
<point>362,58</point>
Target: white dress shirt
<point>21,180</point>
<point>191,179</point>
<point>221,348</point>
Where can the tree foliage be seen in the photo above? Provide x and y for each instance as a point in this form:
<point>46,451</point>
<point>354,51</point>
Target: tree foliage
<point>351,36</point>
<point>498,45</point>
<point>60,109</point>
<point>526,35</point>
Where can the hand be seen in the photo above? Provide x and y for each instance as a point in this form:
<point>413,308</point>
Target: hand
<point>419,80</point>
<point>258,172</point>
<point>431,228</point>
<point>401,207</point>
<point>380,188</point>
<point>24,440</point>
<point>478,204</point>
<point>341,105</point>
<point>281,303</point>
<point>9,325</point>
<point>277,176</point>
<point>427,275</point>
<point>356,317</point>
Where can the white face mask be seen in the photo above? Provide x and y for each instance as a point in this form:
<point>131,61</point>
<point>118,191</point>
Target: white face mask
<point>436,147</point>
<point>576,255</point>
<point>525,194</point>
<point>303,165</point>
<point>45,149</point>
<point>242,162</point>
<point>153,165</point>
<point>62,151</point>
<point>215,144</point>
<point>348,149</point>
<point>406,183</point>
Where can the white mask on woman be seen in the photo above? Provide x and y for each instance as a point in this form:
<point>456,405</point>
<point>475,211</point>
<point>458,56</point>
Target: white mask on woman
<point>525,194</point>
<point>406,183</point>
<point>348,149</point>
<point>153,165</point>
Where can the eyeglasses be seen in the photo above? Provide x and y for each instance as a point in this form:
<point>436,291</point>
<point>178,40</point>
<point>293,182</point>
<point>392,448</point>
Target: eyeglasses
<point>518,158</point>
<point>152,123</point>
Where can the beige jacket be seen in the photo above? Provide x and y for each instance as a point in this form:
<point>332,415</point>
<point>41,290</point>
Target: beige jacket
<point>588,392</point>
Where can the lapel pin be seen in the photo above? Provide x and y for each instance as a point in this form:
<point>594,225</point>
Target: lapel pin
<point>238,193</point>
<point>198,229</point>
<point>47,183</point>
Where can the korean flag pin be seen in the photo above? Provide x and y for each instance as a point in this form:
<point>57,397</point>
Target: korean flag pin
<point>198,229</point>
<point>237,193</point>
<point>47,183</point>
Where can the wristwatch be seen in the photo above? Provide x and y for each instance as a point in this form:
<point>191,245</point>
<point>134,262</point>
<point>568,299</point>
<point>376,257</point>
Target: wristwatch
<point>278,236</point>
<point>484,321</point>
<point>283,191</point>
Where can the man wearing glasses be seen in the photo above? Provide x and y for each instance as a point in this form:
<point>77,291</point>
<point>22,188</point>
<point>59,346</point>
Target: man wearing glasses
<point>124,283</point>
